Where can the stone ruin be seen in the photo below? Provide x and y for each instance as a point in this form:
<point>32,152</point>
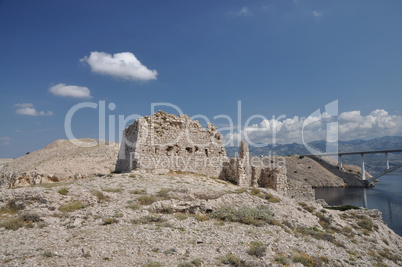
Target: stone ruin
<point>165,142</point>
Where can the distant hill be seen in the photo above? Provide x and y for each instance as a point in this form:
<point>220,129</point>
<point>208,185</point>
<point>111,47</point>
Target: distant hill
<point>374,163</point>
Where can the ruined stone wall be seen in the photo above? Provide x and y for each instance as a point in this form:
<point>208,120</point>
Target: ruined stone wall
<point>168,142</point>
<point>252,172</point>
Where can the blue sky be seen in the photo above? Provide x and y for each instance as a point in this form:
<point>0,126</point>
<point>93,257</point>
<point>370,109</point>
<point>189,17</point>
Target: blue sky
<point>277,57</point>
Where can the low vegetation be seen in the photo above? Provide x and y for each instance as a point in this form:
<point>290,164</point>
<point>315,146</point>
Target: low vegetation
<point>342,208</point>
<point>100,196</point>
<point>232,260</point>
<point>149,219</point>
<point>246,215</point>
<point>257,249</point>
<point>72,206</point>
<point>267,196</point>
<point>11,207</point>
<point>24,220</point>
<point>63,191</point>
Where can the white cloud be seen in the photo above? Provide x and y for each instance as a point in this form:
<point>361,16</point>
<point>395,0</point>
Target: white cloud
<point>28,109</point>
<point>6,140</point>
<point>124,65</point>
<point>316,13</point>
<point>70,90</point>
<point>244,12</point>
<point>351,125</point>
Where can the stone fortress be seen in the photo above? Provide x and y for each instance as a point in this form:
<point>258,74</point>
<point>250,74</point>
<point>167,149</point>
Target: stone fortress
<point>165,142</point>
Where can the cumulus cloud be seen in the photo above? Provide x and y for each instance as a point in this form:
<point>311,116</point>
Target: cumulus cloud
<point>70,91</point>
<point>351,125</point>
<point>316,13</point>
<point>243,12</point>
<point>29,110</point>
<point>123,65</point>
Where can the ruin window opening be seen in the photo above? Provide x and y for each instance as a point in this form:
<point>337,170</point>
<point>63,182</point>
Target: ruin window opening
<point>189,149</point>
<point>206,152</point>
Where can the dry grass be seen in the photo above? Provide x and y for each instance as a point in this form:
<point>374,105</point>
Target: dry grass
<point>72,206</point>
<point>11,208</point>
<point>246,215</point>
<point>146,200</point>
<point>100,196</point>
<point>257,249</point>
<point>112,190</point>
<point>63,191</point>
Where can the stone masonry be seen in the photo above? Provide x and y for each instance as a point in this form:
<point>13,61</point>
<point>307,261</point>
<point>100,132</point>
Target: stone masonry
<point>164,142</point>
<point>254,172</point>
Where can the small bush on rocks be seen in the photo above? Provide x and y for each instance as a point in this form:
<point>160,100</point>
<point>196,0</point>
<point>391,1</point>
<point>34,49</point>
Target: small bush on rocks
<point>100,196</point>
<point>72,206</point>
<point>149,219</point>
<point>246,215</point>
<point>63,191</point>
<point>257,249</point>
<point>366,223</point>
<point>11,207</point>
<point>232,260</point>
<point>146,200</point>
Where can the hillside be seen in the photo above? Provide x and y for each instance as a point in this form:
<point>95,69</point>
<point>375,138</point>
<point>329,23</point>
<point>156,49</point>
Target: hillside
<point>374,163</point>
<point>60,160</point>
<point>322,173</point>
<point>183,220</point>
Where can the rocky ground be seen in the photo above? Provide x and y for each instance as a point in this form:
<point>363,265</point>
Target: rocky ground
<point>323,172</point>
<point>61,160</point>
<point>180,219</point>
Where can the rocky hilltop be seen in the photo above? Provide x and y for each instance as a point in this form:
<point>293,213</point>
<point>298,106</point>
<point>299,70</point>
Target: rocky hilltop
<point>143,219</point>
<point>60,160</point>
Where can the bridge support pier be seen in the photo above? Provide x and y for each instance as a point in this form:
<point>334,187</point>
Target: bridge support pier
<point>363,171</point>
<point>386,158</point>
<point>340,162</point>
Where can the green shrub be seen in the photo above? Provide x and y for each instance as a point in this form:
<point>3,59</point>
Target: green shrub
<point>232,260</point>
<point>108,221</point>
<point>100,196</point>
<point>304,259</point>
<point>133,205</point>
<point>257,249</point>
<point>112,190</point>
<point>163,193</point>
<point>301,157</point>
<point>146,200</point>
<point>11,207</point>
<point>201,217</point>
<point>306,207</point>
<point>23,220</point>
<point>282,259</point>
<point>366,223</point>
<point>246,215</point>
<point>181,216</point>
<point>72,206</point>
<point>63,191</point>
<point>138,192</point>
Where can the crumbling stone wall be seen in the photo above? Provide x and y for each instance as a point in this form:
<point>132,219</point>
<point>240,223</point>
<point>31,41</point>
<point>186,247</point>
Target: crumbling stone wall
<point>168,142</point>
<point>252,172</point>
<point>164,142</point>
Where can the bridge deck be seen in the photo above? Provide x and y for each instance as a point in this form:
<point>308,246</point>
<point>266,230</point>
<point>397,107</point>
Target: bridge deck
<point>362,153</point>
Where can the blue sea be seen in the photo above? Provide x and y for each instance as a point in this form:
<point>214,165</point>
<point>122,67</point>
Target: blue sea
<point>386,196</point>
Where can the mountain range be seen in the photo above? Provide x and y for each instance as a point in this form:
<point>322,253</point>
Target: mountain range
<point>374,163</point>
